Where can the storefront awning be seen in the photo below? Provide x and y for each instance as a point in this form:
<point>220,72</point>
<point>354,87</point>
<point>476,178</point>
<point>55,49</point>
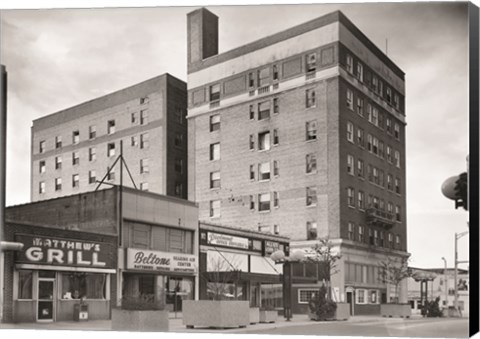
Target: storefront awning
<point>64,268</point>
<point>238,276</point>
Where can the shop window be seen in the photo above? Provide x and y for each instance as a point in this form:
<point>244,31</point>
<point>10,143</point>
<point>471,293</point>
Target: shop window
<point>83,285</point>
<point>305,295</point>
<point>24,284</point>
<point>271,296</point>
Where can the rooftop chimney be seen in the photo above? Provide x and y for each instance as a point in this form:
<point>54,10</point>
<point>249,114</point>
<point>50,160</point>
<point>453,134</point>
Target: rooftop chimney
<point>202,28</point>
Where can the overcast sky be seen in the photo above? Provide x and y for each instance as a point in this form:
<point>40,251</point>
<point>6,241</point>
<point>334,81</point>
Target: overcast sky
<point>59,58</point>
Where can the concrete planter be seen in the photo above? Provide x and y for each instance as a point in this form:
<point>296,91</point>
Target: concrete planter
<point>268,316</point>
<point>216,313</point>
<point>254,315</point>
<point>396,310</point>
<point>341,313</point>
<point>139,321</point>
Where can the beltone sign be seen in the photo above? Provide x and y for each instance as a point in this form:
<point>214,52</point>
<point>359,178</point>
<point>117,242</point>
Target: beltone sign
<point>147,260</point>
<point>227,240</point>
<point>63,252</point>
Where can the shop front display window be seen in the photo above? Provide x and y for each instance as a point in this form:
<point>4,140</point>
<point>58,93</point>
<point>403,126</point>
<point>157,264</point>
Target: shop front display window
<point>178,289</point>
<point>25,284</point>
<point>271,296</point>
<point>83,285</point>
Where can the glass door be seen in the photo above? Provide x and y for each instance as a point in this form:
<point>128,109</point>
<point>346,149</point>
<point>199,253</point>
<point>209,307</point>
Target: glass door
<point>46,293</point>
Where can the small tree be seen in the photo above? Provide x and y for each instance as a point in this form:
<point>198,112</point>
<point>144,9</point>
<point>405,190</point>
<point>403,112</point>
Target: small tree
<point>325,254</point>
<point>221,273</point>
<point>393,272</point>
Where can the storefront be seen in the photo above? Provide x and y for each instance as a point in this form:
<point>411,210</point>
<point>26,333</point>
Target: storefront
<point>52,275</point>
<point>167,276</point>
<point>236,265</point>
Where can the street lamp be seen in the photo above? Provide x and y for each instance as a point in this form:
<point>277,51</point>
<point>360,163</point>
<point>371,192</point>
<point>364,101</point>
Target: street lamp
<point>445,280</point>
<point>455,298</point>
<point>279,257</point>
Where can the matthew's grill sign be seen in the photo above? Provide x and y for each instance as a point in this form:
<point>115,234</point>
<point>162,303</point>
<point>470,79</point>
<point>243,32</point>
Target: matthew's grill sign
<point>64,252</point>
<point>146,260</point>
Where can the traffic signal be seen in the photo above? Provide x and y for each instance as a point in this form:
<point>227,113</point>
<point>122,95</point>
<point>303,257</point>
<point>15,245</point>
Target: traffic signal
<point>461,191</point>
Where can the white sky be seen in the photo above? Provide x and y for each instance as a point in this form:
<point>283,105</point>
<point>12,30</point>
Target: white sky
<point>59,58</point>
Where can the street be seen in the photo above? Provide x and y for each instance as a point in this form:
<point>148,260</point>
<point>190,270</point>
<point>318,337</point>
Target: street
<point>444,328</point>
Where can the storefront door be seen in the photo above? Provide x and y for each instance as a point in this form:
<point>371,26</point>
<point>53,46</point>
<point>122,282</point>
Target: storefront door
<point>46,299</point>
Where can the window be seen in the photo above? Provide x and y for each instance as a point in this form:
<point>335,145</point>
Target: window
<point>369,112</point>
<point>58,162</point>
<point>351,231</point>
<point>389,95</point>
<point>361,296</point>
<point>75,137</point>
<point>361,232</point>
<point>311,127</point>
<point>396,101</point>
<point>397,185</point>
<point>275,72</point>
<point>92,154</point>
<point>375,146</point>
<point>275,137</point>
<point>58,141</point>
<point>75,158</point>
<point>58,184</point>
<point>351,197</point>
<point>360,168</point>
<point>252,202</point>
<point>41,146</point>
<point>215,92</point>
<point>111,127</point>
<point>311,230</point>
<point>215,151</point>
<point>389,154</point>
<point>305,295</point>
<point>276,169</point>
<point>397,158</point>
<point>373,297</point>
<point>369,142</point>
<point>251,80</point>
<point>349,99</point>
<point>251,142</point>
<point>264,202</point>
<point>111,174</point>
<point>251,112</point>
<point>252,172</point>
<point>350,131</point>
<point>178,189</point>
<point>144,186</point>
<point>215,179</point>
<point>381,152</point>
<point>41,187</point>
<point>276,106</point>
<point>388,124</point>
<point>360,71</point>
<point>91,177</point>
<point>143,117</point>
<point>311,160</point>
<point>264,171</point>
<point>263,76</point>
<point>134,117</point>
<point>397,241</point>
<point>311,62</point>
<point>143,100</point>
<point>144,142</point>
<point>310,98</point>
<point>276,229</point>
<point>41,166</point>
<point>375,116</point>
<point>370,236</point>
<point>75,180</point>
<point>390,207</point>
<point>215,122</point>
<point>111,149</point>
<point>360,106</point>
<point>375,83</point>
<point>178,165</point>
<point>264,110</point>
<point>178,139</point>
<point>397,213</point>
<point>144,166</point>
<point>312,196</point>
<point>92,132</point>
<point>350,164</point>
<point>361,200</point>
<point>349,64</point>
<point>264,141</point>
<point>390,240</point>
<point>25,285</point>
<point>396,131</point>
<point>360,137</point>
<point>276,200</point>
<point>375,237</point>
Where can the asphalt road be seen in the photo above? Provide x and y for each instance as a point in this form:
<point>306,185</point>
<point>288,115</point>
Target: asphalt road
<point>443,328</point>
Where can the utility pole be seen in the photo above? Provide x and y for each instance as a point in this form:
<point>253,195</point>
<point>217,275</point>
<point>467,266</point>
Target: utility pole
<point>445,281</point>
<point>455,274</point>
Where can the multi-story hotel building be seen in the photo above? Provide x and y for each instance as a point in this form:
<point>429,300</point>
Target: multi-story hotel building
<point>302,134</point>
<point>72,150</point>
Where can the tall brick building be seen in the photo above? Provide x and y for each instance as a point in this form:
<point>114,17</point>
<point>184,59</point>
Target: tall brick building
<point>73,149</point>
<point>302,134</point>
